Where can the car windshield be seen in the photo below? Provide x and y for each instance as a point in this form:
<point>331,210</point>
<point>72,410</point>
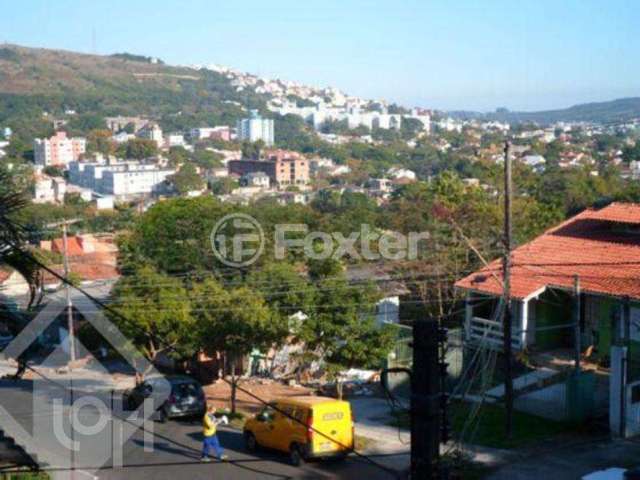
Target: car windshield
<point>181,390</point>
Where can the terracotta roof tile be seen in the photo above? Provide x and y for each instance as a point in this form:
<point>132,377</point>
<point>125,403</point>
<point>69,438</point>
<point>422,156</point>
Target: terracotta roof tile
<point>590,245</point>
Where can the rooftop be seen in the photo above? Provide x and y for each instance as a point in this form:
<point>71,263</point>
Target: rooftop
<point>601,247</point>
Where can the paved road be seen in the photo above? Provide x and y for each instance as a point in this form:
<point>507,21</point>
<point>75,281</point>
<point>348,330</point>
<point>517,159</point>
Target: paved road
<point>177,452</point>
<point>175,445</point>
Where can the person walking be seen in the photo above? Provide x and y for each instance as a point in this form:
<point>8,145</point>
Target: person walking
<point>210,426</point>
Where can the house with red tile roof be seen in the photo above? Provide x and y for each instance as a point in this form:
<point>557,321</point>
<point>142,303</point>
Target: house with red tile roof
<point>595,253</point>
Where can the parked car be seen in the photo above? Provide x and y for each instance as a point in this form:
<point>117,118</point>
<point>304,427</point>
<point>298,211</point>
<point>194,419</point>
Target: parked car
<point>313,427</point>
<point>172,396</point>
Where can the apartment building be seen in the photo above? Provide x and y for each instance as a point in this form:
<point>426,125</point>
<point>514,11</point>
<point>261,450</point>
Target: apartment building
<point>58,150</point>
<point>120,179</point>
<point>283,167</point>
<point>256,128</point>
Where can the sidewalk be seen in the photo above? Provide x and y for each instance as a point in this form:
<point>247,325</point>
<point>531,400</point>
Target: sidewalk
<point>372,421</point>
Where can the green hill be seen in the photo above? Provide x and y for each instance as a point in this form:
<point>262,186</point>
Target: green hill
<point>33,81</point>
<point>619,110</point>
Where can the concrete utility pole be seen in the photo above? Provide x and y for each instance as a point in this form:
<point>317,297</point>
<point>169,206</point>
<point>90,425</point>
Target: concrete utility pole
<point>72,342</point>
<point>506,320</point>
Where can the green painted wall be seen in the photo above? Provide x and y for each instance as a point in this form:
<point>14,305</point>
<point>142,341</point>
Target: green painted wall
<point>553,308</point>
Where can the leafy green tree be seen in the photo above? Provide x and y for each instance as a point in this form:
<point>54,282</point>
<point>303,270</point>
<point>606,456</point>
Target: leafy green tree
<point>53,171</point>
<point>631,153</point>
<point>251,150</point>
<point>178,156</point>
<point>342,330</point>
<point>155,313</point>
<point>206,159</point>
<point>100,141</point>
<point>283,287</point>
<point>138,148</point>
<point>187,179</point>
<point>224,186</point>
<point>234,322</point>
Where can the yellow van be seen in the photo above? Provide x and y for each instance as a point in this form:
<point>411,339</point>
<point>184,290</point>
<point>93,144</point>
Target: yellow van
<point>305,427</point>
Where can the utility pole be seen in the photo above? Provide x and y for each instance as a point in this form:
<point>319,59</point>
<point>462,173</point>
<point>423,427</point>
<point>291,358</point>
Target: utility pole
<point>576,316</point>
<point>425,400</point>
<point>72,342</point>
<point>506,320</point>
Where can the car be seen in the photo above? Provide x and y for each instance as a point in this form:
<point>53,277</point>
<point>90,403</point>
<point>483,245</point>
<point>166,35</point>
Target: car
<point>173,397</point>
<point>305,427</point>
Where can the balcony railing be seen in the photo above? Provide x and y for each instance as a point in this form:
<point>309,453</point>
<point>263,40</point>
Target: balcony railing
<point>489,333</point>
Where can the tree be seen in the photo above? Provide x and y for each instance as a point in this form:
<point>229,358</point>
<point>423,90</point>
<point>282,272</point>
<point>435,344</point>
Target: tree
<point>187,179</point>
<point>341,329</point>
<point>12,233</point>
<point>224,186</point>
<point>155,313</point>
<point>138,148</point>
<point>178,156</point>
<point>206,159</point>
<point>251,150</point>
<point>100,141</point>
<point>234,322</point>
<point>53,171</point>
<point>284,288</point>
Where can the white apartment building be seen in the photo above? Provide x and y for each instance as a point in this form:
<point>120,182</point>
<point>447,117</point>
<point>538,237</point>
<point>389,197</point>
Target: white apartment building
<point>120,179</point>
<point>256,128</point>
<point>59,150</point>
<point>133,181</point>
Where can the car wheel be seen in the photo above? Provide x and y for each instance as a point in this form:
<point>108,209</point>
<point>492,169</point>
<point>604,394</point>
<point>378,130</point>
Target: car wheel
<point>162,416</point>
<point>250,442</point>
<point>295,456</point>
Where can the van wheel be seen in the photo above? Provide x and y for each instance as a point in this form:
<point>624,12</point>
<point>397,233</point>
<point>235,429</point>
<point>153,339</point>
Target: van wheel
<point>295,456</point>
<point>250,442</point>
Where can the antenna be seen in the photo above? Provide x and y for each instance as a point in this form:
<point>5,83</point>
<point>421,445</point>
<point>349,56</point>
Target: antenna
<point>93,41</point>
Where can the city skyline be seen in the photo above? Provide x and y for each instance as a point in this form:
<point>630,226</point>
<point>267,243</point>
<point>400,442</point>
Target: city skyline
<point>544,56</point>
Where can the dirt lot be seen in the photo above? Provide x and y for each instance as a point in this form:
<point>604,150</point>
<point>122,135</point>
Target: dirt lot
<point>219,393</point>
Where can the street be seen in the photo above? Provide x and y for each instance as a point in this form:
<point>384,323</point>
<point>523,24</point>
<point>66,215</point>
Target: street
<point>176,454</point>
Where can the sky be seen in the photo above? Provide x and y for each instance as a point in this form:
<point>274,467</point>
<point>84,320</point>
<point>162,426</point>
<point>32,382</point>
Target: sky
<point>452,55</point>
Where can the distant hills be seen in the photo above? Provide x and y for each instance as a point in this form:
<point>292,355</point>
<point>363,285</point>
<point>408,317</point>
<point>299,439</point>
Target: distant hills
<point>33,80</point>
<point>622,109</point>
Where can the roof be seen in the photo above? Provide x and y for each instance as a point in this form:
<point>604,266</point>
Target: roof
<point>601,247</point>
<point>305,400</point>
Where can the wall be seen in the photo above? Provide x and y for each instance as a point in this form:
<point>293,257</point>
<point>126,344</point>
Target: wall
<point>553,308</point>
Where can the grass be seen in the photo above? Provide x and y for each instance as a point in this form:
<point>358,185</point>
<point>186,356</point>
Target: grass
<point>527,429</point>
<point>24,476</point>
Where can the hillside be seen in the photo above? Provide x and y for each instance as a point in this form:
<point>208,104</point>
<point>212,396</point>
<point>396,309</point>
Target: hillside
<point>619,110</point>
<point>37,80</point>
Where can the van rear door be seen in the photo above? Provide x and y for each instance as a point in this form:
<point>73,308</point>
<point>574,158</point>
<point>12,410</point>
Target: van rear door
<point>333,421</point>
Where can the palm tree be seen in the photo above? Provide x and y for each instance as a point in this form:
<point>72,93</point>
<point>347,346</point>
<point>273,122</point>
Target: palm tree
<point>13,234</point>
